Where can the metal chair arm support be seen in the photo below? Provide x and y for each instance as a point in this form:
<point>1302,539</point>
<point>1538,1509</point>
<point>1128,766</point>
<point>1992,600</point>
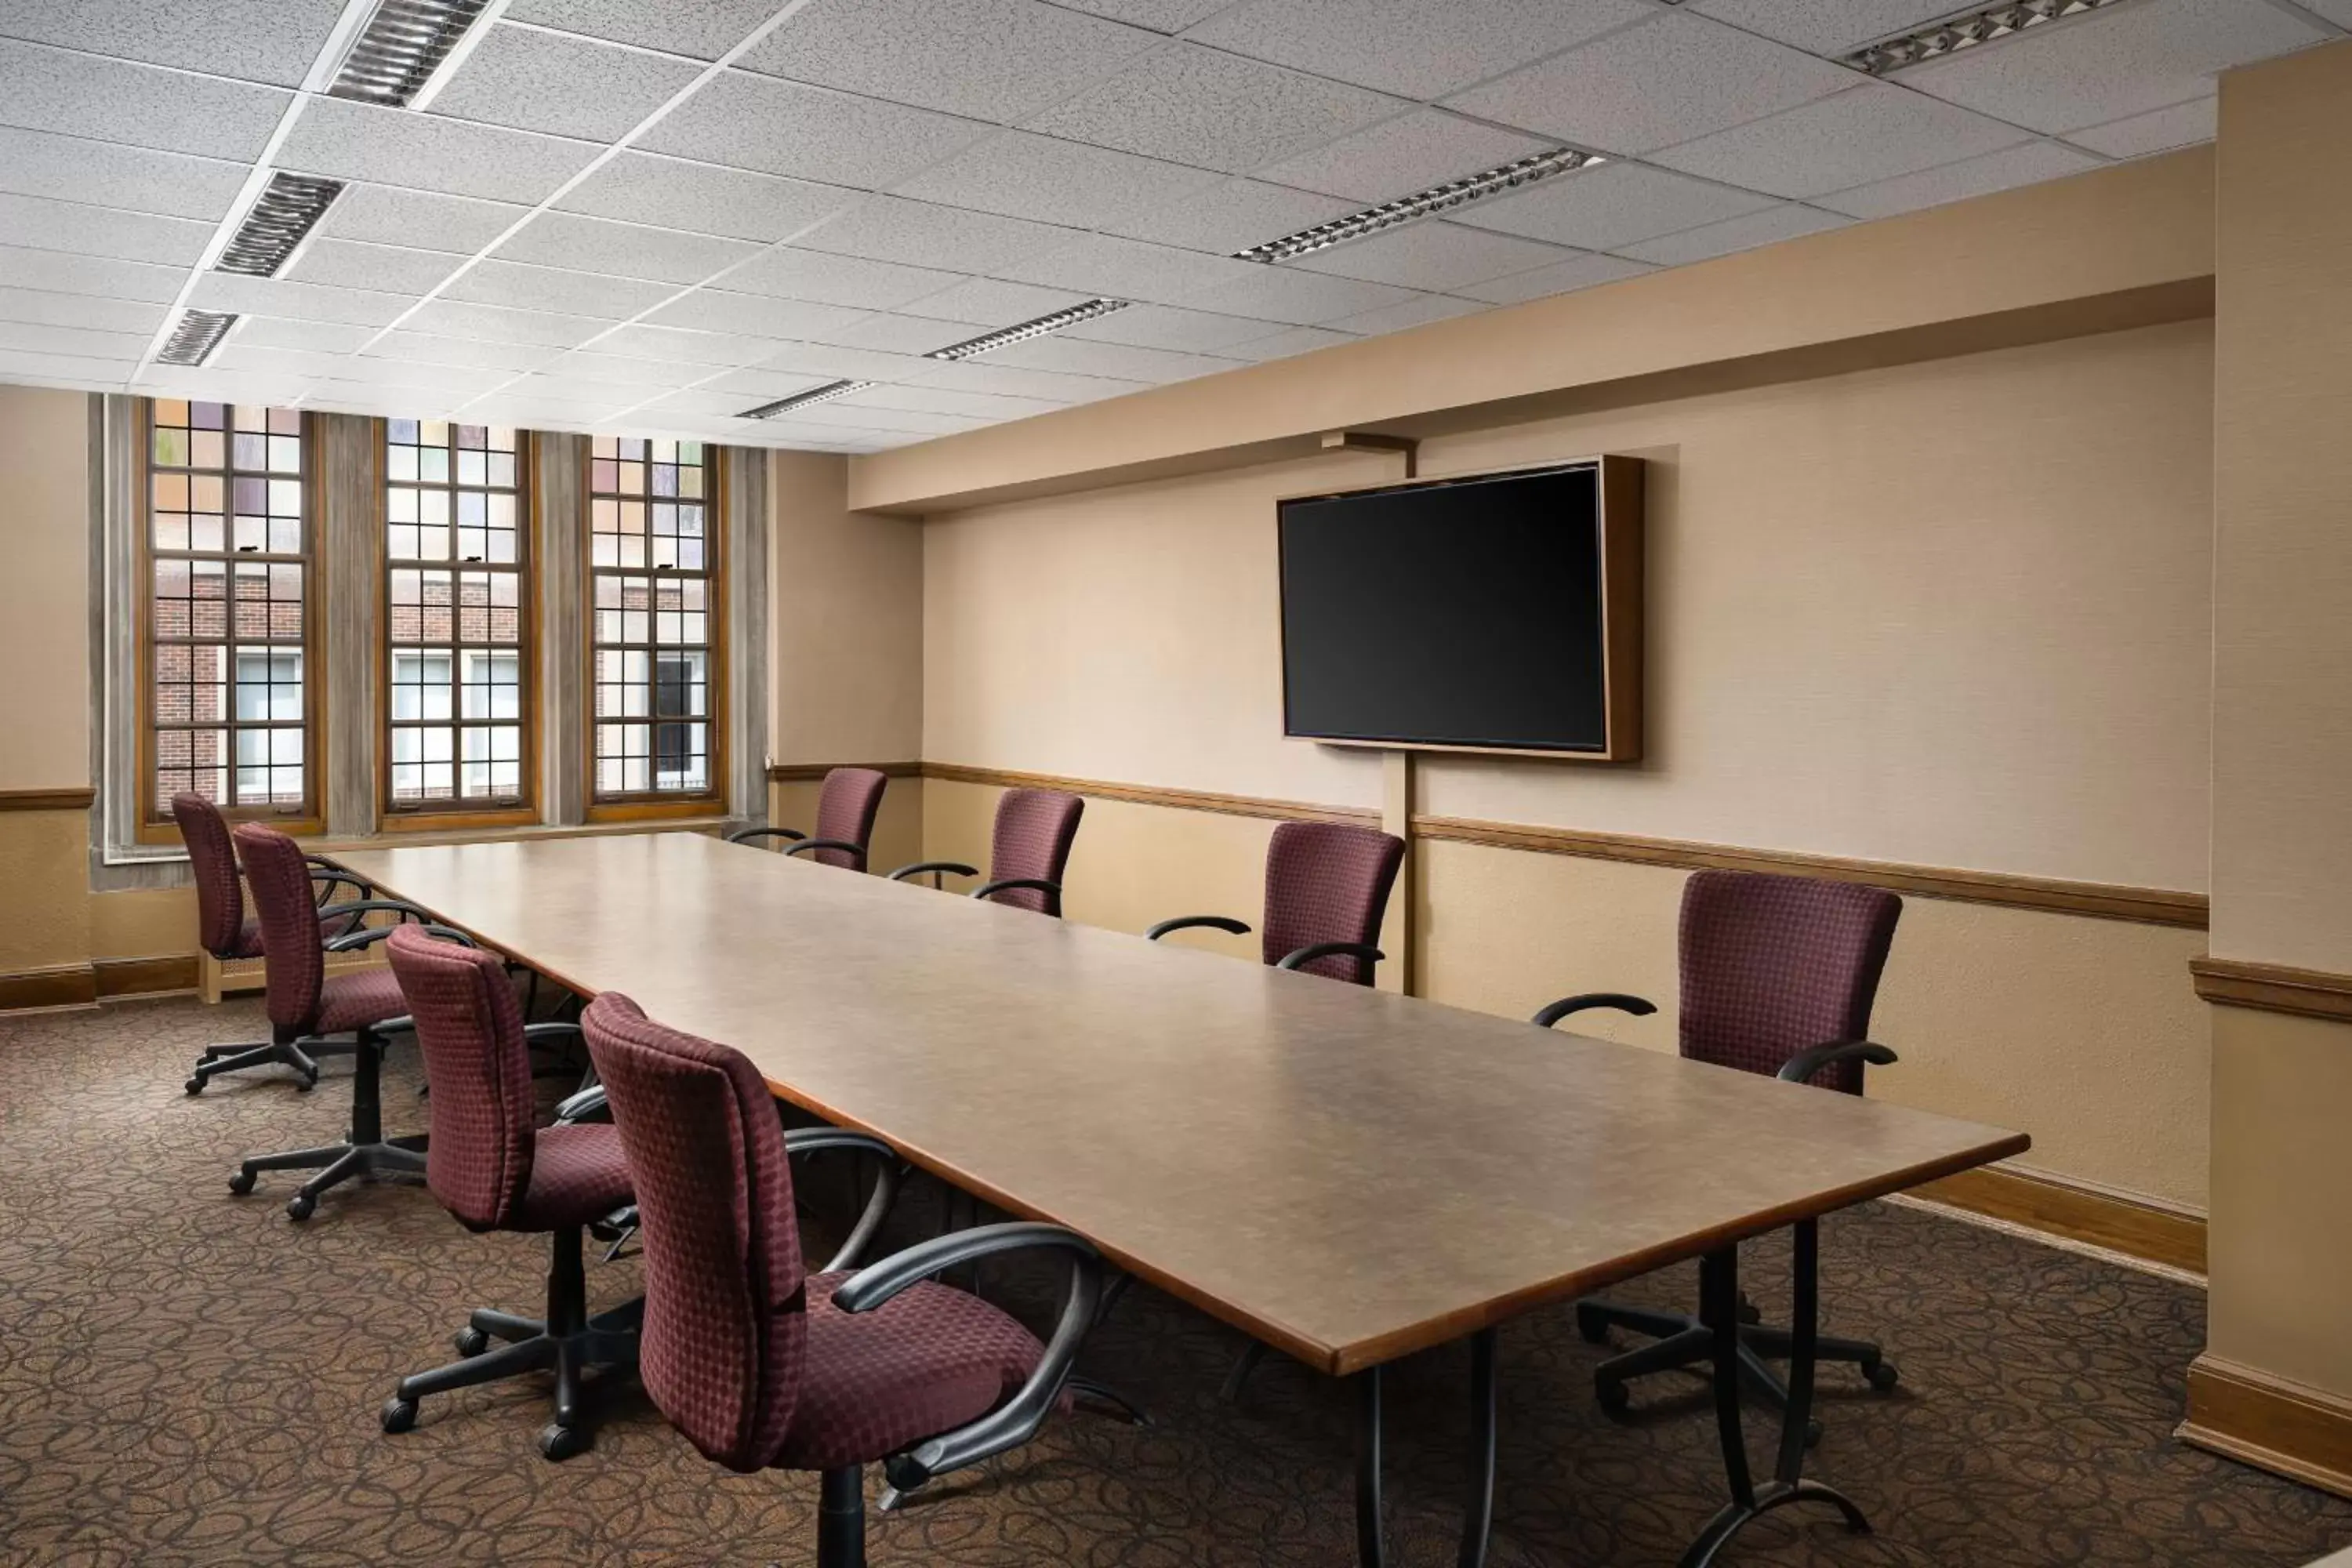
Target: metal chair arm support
<point>841,844</point>
<point>1188,922</point>
<point>1051,889</point>
<point>327,878</point>
<point>745,835</point>
<point>1801,1068</point>
<point>1548,1017</point>
<point>923,867</point>
<point>582,1103</point>
<point>799,1140</point>
<point>1300,957</point>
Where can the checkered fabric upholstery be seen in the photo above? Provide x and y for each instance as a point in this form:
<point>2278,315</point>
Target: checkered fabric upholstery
<point>845,807</point>
<point>741,1353</point>
<point>1327,881</point>
<point>221,925</point>
<point>478,1160</point>
<point>579,1172</point>
<point>294,972</point>
<point>1773,965</point>
<point>1035,828</point>
<point>355,1000</point>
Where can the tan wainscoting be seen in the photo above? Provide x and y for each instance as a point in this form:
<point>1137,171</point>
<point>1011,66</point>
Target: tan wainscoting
<point>47,799</point>
<point>167,973</point>
<point>52,985</point>
<point>2265,1421</point>
<point>2132,1226</point>
<point>1146,795</point>
<point>2274,987</point>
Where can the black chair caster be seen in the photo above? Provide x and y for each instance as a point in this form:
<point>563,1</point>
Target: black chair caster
<point>241,1183</point>
<point>1881,1376</point>
<point>194,1086</point>
<point>300,1205</point>
<point>398,1414</point>
<point>470,1343</point>
<point>559,1443</point>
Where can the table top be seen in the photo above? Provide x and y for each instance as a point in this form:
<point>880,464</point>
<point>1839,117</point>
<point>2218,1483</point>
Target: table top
<point>1347,1174</point>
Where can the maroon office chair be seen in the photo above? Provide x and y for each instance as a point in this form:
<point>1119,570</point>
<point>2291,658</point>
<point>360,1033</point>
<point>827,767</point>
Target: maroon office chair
<point>494,1168</point>
<point>1778,975</point>
<point>307,1008</point>
<point>223,930</point>
<point>1030,845</point>
<point>846,808</point>
<point>762,1365</point>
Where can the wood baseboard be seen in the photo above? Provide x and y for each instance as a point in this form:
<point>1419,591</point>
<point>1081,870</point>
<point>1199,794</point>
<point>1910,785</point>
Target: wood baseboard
<point>54,985</point>
<point>800,773</point>
<point>47,799</point>
<point>2077,1213</point>
<point>2274,987</point>
<point>2250,1415</point>
<point>164,975</point>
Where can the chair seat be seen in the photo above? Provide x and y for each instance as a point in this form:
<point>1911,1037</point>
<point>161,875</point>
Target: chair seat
<point>874,1384</point>
<point>247,944</point>
<point>356,1000</point>
<point>578,1174</point>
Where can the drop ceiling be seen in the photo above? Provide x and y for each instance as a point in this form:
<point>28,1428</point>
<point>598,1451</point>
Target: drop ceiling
<point>650,215</point>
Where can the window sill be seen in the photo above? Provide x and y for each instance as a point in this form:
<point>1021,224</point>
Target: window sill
<point>424,836</point>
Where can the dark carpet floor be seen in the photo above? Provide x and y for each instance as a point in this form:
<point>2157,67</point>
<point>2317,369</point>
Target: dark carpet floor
<point>189,1378</point>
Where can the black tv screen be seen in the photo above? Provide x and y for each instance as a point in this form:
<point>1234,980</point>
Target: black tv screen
<point>1468,612</point>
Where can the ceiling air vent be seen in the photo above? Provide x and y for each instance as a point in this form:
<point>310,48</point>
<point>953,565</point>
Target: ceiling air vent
<point>1986,25</point>
<point>192,340</point>
<point>286,211</point>
<point>825,393</point>
<point>401,48</point>
<point>1514,175</point>
<point>1024,331</point>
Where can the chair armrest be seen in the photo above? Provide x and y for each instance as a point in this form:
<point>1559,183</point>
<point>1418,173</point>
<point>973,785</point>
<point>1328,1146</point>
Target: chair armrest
<point>368,936</point>
<point>799,1140</point>
<point>1801,1068</point>
<point>1016,1420</point>
<point>327,878</point>
<point>745,835</point>
<point>1188,922</point>
<point>923,867</point>
<point>1547,1017</point>
<point>585,1103</point>
<point>841,844</point>
<point>1300,957</point>
<point>1052,890</point>
<point>534,1034</point>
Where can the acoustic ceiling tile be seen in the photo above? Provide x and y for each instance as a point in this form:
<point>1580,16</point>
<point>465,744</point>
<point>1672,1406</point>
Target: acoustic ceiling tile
<point>837,363</point>
<point>924,233</point>
<point>387,214</point>
<point>69,168</point>
<point>2104,65</point>
<point>974,376</point>
<point>1191,105</point>
<point>1612,206</point>
<point>705,29</point>
<point>720,311</point>
<point>913,421</point>
<point>776,127</point>
<point>1409,47</point>
<point>275,42</point>
<point>64,273</point>
<point>45,224</point>
<point>1580,271</point>
<point>1289,341</point>
<point>993,302</point>
<point>792,273</point>
<point>1160,16</point>
<point>2019,165</point>
<point>622,249</point>
<point>44,307</point>
<point>1000,60</point>
<point>1102,264</point>
<point>175,381</point>
<point>1168,327</point>
<point>458,319</point>
<point>256,359</point>
<point>472,380</point>
<point>679,345</point>
<point>638,187</point>
<point>898,335</point>
<point>351,264</point>
<point>1233,216</point>
<point>948,400</point>
<point>565,86</point>
<point>277,331</point>
<point>1870,132</point>
<point>1419,310</point>
<point>701,401</point>
<point>591,365</point>
<point>141,106</point>
<point>1820,29</point>
<point>1708,240</point>
<point>1411,153</point>
<point>302,302</point>
<point>2337,11</point>
<point>1296,298</point>
<point>1080,357</point>
<point>2159,131</point>
<point>351,140</point>
<point>1049,181</point>
<point>1668,80</point>
<point>427,349</point>
<point>576,403</point>
<point>556,289</point>
<point>78,343</point>
<point>1436,256</point>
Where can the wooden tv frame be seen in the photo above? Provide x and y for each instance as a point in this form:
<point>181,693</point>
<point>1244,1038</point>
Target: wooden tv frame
<point>1622,550</point>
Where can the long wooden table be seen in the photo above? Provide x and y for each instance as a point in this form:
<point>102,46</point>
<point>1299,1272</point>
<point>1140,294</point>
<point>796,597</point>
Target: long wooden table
<point>1347,1175</point>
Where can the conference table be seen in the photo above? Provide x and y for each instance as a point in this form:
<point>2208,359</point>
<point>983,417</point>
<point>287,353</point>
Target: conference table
<point>1346,1175</point>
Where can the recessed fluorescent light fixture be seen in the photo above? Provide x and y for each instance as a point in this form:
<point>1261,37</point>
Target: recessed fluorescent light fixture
<point>277,221</point>
<point>192,340</point>
<point>1985,25</point>
<point>1514,175</point>
<point>825,393</point>
<point>1024,331</point>
<point>403,48</point>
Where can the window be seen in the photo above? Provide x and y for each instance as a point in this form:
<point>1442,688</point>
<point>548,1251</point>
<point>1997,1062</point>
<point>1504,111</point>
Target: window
<point>227,582</point>
<point>456,555</point>
<point>653,587</point>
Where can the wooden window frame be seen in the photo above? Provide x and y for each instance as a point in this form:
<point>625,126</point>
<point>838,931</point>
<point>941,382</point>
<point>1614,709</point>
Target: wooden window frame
<point>151,823</point>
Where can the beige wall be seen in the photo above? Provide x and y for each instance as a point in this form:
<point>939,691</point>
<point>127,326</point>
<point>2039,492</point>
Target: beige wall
<point>43,593</point>
<point>846,621</point>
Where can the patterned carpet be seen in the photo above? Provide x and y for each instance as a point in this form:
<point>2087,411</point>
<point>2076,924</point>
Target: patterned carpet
<point>188,1378</point>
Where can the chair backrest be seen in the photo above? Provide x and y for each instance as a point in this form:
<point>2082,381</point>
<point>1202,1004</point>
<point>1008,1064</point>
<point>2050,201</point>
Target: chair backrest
<point>1327,881</point>
<point>220,903</point>
<point>294,970</point>
<point>478,1162</point>
<point>1774,965</point>
<point>846,805</point>
<point>1035,828</point>
<point>724,1332</point>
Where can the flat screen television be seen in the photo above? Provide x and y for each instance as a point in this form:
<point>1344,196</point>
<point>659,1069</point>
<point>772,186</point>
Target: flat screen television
<point>1493,612</point>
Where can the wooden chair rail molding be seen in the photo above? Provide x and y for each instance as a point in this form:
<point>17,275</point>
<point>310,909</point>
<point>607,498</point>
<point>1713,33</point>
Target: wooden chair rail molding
<point>2274,987</point>
<point>76,799</point>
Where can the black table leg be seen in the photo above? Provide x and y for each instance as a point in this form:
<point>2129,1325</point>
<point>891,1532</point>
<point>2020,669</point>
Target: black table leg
<point>1371,1549</point>
<point>1478,1510</point>
<point>1719,1309</point>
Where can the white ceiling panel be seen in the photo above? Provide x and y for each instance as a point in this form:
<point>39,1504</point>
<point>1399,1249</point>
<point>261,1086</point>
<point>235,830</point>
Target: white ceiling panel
<point>638,187</point>
<point>776,127</point>
<point>253,40</point>
<point>1289,341</point>
<point>528,288</point>
<point>574,400</point>
<point>387,214</point>
<point>622,249</point>
<point>975,375</point>
<point>2182,125</point>
<point>2104,65</point>
<point>1081,357</point>
<point>2337,11</point>
<point>833,362</point>
<point>1160,16</point>
<point>300,302</point>
<point>1417,311</point>
<point>924,233</point>
<point>24,268</point>
<point>1233,216</point>
<point>700,401</point>
<point>1582,272</point>
<point>1037,177</point>
<point>426,349</point>
<point>1873,131</point>
<point>1102,264</point>
<point>78,343</point>
<point>1437,255</point>
<point>948,400</point>
<point>1168,327</point>
<point>1826,29</point>
<point>117,101</point>
<point>720,311</point>
<point>792,273</point>
<point>350,264</point>
<point>351,140</point>
<point>1296,298</point>
<point>993,302</point>
<point>908,420</point>
<point>219,386</point>
<point>45,224</point>
<point>1000,60</point>
<point>2020,166</point>
<point>679,345</point>
<point>1665,81</point>
<point>273,332</point>
<point>43,307</point>
<point>705,29</point>
<point>69,168</point>
<point>364,371</point>
<point>256,360</point>
<point>458,319</point>
<point>588,365</point>
<point>565,86</point>
<point>1612,206</point>
<point>1409,47</point>
<point>898,335</point>
<point>1411,153</point>
<point>1192,105</point>
<point>1709,240</point>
